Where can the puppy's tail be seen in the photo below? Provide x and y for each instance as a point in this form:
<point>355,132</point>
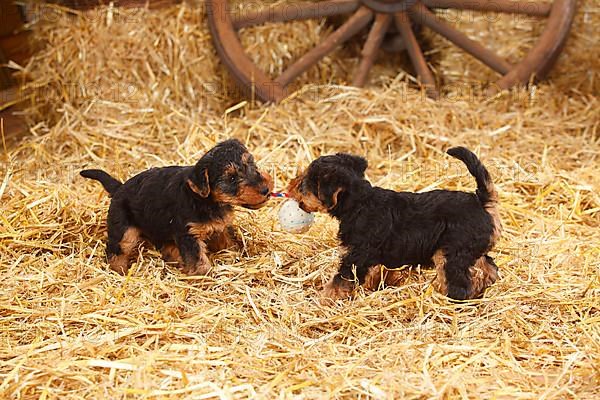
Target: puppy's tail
<point>110,184</point>
<point>486,191</point>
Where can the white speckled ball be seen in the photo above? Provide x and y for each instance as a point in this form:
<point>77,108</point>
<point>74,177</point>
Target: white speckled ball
<point>293,219</point>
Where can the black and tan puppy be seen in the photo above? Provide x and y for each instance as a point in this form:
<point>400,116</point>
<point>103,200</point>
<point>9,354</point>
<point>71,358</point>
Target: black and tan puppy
<point>182,210</point>
<point>449,230</point>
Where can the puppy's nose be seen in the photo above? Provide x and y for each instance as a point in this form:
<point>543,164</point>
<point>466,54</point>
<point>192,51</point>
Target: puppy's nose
<point>265,191</point>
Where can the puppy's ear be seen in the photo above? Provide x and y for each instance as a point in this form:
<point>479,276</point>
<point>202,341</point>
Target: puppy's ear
<point>329,187</point>
<point>198,182</point>
<point>329,196</point>
<point>355,163</point>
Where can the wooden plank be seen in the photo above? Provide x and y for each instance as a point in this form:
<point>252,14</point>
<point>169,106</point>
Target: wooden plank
<point>17,47</point>
<point>87,4</point>
<point>10,18</point>
<point>6,80</point>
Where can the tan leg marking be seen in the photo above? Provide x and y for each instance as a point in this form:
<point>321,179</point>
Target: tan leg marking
<point>309,201</point>
<point>220,241</point>
<point>492,209</point>
<point>202,267</point>
<point>120,263</point>
<point>202,232</point>
<point>483,275</point>
<point>334,291</point>
<point>170,253</point>
<point>440,284</point>
<point>377,275</point>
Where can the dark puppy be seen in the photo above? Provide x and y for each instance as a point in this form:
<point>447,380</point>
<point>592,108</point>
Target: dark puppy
<point>182,210</point>
<point>449,230</point>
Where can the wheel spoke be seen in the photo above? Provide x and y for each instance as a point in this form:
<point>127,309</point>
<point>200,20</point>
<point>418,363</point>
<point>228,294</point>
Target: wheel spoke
<point>422,15</point>
<point>416,55</point>
<point>369,52</point>
<point>293,12</point>
<point>353,25</point>
<point>500,6</point>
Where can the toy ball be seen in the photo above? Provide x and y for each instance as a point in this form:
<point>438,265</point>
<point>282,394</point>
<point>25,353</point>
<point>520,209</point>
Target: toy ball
<point>293,219</point>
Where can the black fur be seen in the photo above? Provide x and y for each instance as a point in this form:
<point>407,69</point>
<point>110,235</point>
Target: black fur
<point>110,184</point>
<point>476,168</point>
<point>384,227</point>
<point>163,203</point>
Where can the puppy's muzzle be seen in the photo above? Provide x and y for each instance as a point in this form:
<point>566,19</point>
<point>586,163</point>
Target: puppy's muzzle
<point>264,189</point>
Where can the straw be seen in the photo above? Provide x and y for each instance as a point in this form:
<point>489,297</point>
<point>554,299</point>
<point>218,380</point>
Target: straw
<point>126,90</point>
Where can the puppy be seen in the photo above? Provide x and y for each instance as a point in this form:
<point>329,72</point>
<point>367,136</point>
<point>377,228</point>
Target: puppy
<point>449,230</point>
<point>182,210</point>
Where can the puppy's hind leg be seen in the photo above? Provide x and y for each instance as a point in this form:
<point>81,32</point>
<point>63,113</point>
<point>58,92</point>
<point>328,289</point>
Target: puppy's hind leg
<point>453,274</point>
<point>483,275</point>
<point>123,238</point>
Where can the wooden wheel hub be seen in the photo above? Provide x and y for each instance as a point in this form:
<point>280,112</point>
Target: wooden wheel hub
<point>389,6</point>
<point>383,16</point>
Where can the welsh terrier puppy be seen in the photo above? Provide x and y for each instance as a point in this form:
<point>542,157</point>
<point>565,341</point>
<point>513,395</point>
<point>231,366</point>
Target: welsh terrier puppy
<point>182,211</point>
<point>449,230</point>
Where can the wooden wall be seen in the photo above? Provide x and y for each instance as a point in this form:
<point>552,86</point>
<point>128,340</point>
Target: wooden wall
<point>13,40</point>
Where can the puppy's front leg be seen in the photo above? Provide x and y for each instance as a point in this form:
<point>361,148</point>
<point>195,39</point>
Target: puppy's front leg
<point>193,254</point>
<point>221,240</point>
<point>352,272</point>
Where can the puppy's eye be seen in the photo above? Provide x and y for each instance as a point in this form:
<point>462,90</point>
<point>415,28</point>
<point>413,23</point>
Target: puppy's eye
<point>232,179</point>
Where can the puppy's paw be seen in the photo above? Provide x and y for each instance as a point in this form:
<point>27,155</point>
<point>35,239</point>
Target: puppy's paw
<point>119,264</point>
<point>170,253</point>
<point>202,267</point>
<point>458,293</point>
<point>337,288</point>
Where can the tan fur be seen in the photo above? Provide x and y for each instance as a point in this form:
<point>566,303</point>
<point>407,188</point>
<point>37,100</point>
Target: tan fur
<point>492,209</point>
<point>378,275</point>
<point>248,195</point>
<point>483,275</point>
<point>170,253</point>
<point>224,198</point>
<point>203,266</point>
<point>246,157</point>
<point>268,179</point>
<point>294,185</point>
<point>197,190</point>
<point>220,241</point>
<point>342,290</point>
<point>334,197</point>
<point>203,231</point>
<point>120,263</point>
<point>230,170</point>
<point>439,283</point>
<point>308,201</point>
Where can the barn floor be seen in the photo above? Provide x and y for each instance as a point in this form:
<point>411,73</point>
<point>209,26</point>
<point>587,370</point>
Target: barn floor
<point>125,90</point>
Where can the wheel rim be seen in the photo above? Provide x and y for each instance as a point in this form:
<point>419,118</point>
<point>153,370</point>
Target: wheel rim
<point>382,14</point>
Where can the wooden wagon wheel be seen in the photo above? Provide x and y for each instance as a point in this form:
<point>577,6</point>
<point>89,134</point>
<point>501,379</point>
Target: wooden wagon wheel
<point>381,14</point>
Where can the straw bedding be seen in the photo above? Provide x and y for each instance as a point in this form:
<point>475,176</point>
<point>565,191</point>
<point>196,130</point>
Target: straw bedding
<point>125,90</point>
